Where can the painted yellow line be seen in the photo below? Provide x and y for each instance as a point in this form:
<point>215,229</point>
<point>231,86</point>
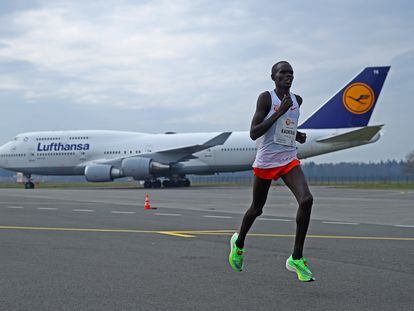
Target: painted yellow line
<point>192,234</point>
<point>207,231</point>
<point>182,235</point>
<point>77,229</point>
<point>228,233</point>
<point>179,234</point>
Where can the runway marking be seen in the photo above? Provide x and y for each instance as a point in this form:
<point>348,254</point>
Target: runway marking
<point>121,212</point>
<point>47,208</point>
<point>230,232</point>
<point>166,214</point>
<point>15,207</point>
<point>84,210</point>
<point>340,223</point>
<point>193,233</point>
<point>405,226</point>
<point>274,219</point>
<point>174,233</point>
<point>216,216</point>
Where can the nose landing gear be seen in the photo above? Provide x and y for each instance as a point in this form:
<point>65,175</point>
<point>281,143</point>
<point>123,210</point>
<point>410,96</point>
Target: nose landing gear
<point>28,184</point>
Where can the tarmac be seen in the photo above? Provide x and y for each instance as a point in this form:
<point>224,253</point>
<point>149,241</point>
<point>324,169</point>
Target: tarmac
<point>98,249</point>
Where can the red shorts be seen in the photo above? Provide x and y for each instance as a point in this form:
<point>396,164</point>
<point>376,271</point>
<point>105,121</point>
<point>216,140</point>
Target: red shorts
<point>275,172</point>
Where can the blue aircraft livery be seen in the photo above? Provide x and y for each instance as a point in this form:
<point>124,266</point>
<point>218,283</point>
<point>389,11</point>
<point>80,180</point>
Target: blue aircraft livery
<point>62,147</point>
<point>353,105</point>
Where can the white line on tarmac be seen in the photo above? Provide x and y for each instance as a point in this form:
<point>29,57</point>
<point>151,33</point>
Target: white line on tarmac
<point>340,223</point>
<point>165,214</point>
<point>405,226</point>
<point>16,207</point>
<point>47,208</point>
<point>274,219</point>
<point>214,216</point>
<point>83,210</point>
<point>121,212</point>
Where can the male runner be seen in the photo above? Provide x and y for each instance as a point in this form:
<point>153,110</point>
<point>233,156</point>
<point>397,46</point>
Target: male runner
<point>274,126</point>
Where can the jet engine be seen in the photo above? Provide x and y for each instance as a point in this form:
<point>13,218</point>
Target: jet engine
<point>101,173</point>
<point>143,168</point>
<point>136,167</point>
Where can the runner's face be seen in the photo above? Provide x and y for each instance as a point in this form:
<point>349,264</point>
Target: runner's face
<point>283,76</point>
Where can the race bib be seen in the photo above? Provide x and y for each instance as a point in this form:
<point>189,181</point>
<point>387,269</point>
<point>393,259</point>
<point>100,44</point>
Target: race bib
<point>285,133</point>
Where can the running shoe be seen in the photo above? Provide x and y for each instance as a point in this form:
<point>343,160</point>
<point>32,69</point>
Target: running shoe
<point>300,266</point>
<point>236,254</point>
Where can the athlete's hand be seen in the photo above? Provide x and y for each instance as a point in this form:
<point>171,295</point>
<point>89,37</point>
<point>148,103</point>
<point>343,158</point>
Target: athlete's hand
<point>285,104</point>
<point>300,137</point>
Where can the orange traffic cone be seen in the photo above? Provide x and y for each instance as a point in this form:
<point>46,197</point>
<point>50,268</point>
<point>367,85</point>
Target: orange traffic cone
<point>147,203</point>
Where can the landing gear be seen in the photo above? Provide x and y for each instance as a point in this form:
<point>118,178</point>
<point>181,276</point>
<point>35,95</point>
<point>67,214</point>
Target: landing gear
<point>167,183</point>
<point>155,183</point>
<point>28,184</point>
<point>176,182</point>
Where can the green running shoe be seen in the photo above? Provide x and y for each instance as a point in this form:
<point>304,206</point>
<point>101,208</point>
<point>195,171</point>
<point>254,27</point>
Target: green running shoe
<point>300,266</point>
<point>236,254</point>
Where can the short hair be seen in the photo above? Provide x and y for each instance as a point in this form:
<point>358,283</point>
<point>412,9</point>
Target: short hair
<point>275,66</point>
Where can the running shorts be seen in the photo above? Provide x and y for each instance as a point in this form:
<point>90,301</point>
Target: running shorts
<point>275,172</point>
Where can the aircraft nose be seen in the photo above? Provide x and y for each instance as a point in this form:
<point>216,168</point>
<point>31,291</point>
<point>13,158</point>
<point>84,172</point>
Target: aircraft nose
<point>2,158</point>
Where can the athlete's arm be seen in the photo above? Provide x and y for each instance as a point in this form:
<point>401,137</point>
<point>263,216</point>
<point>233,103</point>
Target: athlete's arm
<point>300,136</point>
<point>259,125</point>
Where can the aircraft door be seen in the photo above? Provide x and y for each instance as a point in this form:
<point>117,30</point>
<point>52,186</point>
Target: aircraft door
<point>31,155</point>
<point>148,148</point>
<point>208,157</point>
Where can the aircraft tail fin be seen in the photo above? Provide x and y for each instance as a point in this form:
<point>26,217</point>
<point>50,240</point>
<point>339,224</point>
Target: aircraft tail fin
<point>352,106</point>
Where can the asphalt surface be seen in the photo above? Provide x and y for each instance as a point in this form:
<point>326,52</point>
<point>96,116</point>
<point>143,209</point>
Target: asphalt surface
<point>83,249</point>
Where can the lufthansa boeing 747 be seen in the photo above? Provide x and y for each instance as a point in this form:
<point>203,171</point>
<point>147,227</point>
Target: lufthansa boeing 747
<point>342,122</point>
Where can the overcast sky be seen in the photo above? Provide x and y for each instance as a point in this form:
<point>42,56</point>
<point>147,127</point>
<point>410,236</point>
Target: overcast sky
<point>195,66</point>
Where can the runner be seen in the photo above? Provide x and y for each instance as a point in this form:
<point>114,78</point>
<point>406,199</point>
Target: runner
<point>274,126</point>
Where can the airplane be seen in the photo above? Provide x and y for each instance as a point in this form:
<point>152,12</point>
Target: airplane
<point>101,156</point>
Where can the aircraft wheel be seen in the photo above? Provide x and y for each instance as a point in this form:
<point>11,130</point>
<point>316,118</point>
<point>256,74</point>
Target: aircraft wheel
<point>29,185</point>
<point>156,184</point>
<point>147,184</point>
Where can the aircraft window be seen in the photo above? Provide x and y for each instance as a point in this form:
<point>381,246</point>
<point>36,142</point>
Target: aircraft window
<point>130,151</point>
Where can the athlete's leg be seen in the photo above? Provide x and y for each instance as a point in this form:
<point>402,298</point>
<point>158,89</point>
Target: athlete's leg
<point>296,181</point>
<point>260,191</point>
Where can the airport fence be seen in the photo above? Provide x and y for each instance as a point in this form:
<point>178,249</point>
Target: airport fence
<point>313,180</point>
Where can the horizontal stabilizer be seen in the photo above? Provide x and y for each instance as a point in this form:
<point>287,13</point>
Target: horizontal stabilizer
<point>363,134</point>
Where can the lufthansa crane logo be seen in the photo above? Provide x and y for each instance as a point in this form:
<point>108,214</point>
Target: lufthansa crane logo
<point>358,98</point>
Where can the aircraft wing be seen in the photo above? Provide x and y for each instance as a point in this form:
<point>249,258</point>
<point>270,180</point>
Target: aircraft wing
<point>174,155</point>
<point>362,134</point>
<point>185,153</point>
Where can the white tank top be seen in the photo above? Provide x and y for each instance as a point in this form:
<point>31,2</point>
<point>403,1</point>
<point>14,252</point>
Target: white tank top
<point>277,147</point>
